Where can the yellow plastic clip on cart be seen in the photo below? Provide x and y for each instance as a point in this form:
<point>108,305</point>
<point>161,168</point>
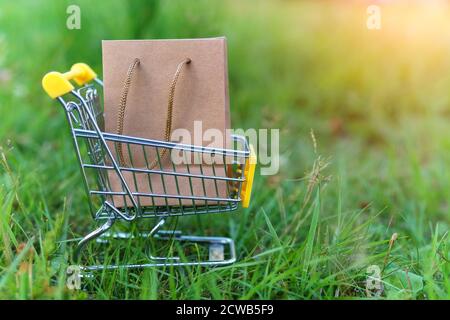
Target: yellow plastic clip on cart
<point>84,113</point>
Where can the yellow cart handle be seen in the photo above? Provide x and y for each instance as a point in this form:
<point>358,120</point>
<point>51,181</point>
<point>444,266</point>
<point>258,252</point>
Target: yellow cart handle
<point>57,84</point>
<point>249,174</point>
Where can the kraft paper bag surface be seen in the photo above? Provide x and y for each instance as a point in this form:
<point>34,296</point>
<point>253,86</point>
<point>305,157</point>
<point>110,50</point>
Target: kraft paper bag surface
<point>200,94</point>
<point>173,186</point>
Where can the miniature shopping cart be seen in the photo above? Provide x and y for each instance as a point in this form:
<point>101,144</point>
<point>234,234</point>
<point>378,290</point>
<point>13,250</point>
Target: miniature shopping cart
<point>95,152</point>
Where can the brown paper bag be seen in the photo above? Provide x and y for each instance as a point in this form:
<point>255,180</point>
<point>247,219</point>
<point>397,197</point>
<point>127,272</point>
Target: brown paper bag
<point>200,93</point>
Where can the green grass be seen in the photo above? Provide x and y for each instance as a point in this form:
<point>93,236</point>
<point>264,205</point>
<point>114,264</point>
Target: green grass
<point>377,103</point>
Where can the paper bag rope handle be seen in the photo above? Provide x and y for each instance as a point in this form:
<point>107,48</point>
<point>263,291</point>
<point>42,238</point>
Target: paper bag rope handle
<point>123,104</point>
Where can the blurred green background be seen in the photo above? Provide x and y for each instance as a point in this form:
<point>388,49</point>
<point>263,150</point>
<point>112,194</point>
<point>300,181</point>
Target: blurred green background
<point>377,102</point>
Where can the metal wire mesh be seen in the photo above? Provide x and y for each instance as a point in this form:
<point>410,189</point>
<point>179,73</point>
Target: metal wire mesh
<point>137,188</point>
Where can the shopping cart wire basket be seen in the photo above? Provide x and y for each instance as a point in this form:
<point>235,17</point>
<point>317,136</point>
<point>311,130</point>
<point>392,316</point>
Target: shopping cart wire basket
<point>98,162</point>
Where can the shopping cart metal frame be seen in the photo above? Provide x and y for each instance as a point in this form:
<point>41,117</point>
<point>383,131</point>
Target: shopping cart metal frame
<point>84,115</point>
